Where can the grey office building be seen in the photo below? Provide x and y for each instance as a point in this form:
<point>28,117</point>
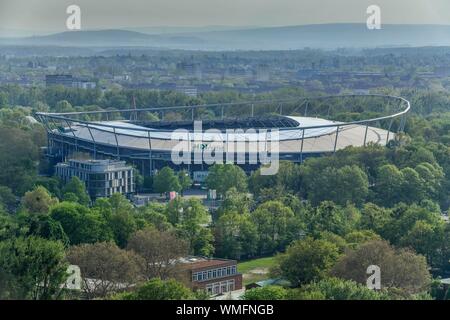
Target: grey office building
<point>102,178</point>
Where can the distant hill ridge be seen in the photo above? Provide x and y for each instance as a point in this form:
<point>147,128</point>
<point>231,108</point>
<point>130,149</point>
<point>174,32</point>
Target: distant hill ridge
<point>326,36</point>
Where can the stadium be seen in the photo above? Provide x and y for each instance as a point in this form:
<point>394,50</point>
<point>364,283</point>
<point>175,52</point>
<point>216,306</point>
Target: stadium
<point>298,127</point>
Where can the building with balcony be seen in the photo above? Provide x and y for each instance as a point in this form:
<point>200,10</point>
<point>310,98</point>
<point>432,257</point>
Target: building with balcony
<point>102,178</point>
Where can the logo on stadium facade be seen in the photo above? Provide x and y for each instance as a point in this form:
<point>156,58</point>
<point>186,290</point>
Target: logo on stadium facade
<point>213,146</point>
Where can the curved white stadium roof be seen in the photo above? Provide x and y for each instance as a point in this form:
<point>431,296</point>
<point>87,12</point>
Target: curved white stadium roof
<point>316,140</point>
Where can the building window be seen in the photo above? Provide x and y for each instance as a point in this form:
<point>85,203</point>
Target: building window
<point>194,277</point>
<point>230,285</point>
<point>223,287</point>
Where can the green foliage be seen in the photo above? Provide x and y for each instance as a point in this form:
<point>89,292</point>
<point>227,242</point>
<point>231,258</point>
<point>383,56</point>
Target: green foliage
<point>266,293</point>
<point>81,224</point>
<point>184,180</point>
<point>336,289</point>
<point>19,155</point>
<point>235,201</point>
<point>287,179</point>
<point>374,217</point>
<point>7,198</point>
<point>189,218</point>
<point>346,184</point>
<point>223,177</point>
<point>38,201</point>
<point>119,214</point>
<point>166,180</point>
<point>9,228</point>
<point>407,185</point>
<point>75,191</point>
<point>32,268</point>
<point>276,226</point>
<point>235,236</point>
<point>42,225</point>
<point>157,289</point>
<point>307,260</point>
<point>331,217</point>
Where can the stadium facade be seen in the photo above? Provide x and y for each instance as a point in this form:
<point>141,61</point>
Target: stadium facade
<point>243,131</point>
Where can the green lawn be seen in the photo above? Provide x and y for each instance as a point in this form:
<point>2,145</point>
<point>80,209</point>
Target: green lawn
<point>251,269</point>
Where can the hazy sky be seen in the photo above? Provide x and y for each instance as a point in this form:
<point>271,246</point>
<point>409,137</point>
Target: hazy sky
<point>40,15</point>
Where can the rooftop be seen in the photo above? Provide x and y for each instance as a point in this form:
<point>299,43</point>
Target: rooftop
<point>95,165</point>
<point>202,262</point>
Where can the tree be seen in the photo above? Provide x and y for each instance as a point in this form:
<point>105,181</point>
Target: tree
<point>19,156</point>
<point>190,218</point>
<point>404,217</point>
<point>152,215</point>
<point>34,268</point>
<point>166,180</point>
<point>75,189</point>
<point>184,180</point>
<point>426,238</point>
<point>287,179</point>
<point>235,236</point>
<point>276,226</point>
<point>42,225</point>
<point>374,217</point>
<point>412,189</point>
<point>160,250</point>
<point>223,177</point>
<point>119,215</point>
<point>336,289</point>
<point>9,227</point>
<point>342,185</point>
<point>358,237</point>
<point>7,198</point>
<point>38,201</point>
<point>307,260</point>
<point>432,177</point>
<point>400,268</point>
<point>235,201</point>
<point>105,268</point>
<point>81,224</point>
<point>332,218</point>
<point>388,185</point>
<point>157,289</point>
<point>266,293</point>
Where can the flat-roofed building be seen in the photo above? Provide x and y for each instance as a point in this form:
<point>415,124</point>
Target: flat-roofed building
<point>65,80</point>
<point>102,178</point>
<point>215,276</point>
